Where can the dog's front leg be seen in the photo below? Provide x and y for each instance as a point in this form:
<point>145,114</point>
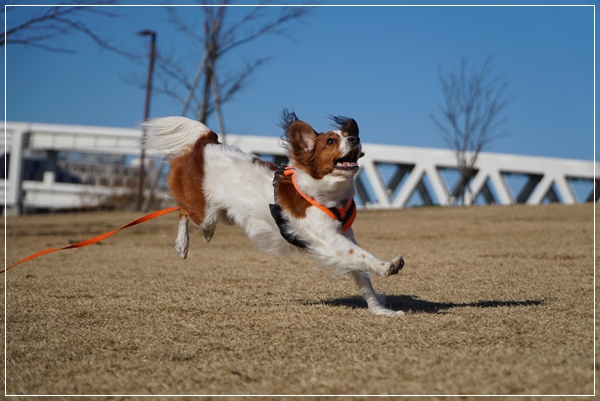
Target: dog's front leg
<point>339,251</point>
<point>342,253</point>
<point>375,302</point>
<point>375,264</point>
<point>183,239</point>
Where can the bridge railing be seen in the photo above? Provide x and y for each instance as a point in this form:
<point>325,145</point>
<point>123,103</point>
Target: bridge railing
<point>547,178</point>
<point>22,138</point>
<point>389,178</point>
<point>420,170</point>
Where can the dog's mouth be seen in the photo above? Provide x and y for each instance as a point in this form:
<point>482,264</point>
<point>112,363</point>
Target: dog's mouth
<point>348,162</point>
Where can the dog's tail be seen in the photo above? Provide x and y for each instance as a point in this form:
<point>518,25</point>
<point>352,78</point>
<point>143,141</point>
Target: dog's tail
<point>172,136</point>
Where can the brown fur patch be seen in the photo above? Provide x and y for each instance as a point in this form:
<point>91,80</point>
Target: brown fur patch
<point>186,178</point>
<point>289,199</point>
<point>313,152</point>
<point>326,150</point>
<point>318,160</point>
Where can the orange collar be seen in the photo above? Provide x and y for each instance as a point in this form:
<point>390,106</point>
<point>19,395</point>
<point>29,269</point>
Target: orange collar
<point>344,215</point>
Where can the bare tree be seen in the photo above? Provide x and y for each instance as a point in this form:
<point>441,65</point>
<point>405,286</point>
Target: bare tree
<point>218,34</point>
<point>214,34</point>
<point>48,23</point>
<point>470,118</point>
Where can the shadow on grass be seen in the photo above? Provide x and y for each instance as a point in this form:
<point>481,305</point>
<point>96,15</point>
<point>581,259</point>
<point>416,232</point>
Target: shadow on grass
<point>409,303</point>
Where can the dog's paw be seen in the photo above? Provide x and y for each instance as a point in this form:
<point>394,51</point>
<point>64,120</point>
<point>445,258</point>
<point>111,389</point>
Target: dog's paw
<point>182,250</point>
<point>383,311</point>
<point>395,265</point>
<point>208,234</point>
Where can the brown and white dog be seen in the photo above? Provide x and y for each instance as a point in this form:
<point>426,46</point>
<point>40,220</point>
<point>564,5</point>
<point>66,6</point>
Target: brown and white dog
<point>308,206</point>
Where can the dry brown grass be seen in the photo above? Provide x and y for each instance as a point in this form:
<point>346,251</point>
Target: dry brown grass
<point>500,301</point>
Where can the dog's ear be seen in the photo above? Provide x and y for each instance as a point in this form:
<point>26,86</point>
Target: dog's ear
<point>346,124</point>
<point>301,136</point>
<point>351,127</point>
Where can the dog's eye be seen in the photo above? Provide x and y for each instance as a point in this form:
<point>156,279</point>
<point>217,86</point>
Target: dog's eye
<point>330,141</point>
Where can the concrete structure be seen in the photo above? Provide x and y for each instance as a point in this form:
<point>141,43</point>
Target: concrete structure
<point>409,170</point>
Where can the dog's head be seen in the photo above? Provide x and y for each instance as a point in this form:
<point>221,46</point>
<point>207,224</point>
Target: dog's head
<point>335,152</point>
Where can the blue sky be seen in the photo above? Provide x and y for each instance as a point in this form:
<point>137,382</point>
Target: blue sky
<point>378,65</point>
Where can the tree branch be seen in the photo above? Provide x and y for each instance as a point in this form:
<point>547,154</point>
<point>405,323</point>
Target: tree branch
<point>217,38</point>
<point>58,21</point>
<point>471,114</point>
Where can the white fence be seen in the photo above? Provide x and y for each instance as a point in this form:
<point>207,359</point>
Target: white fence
<point>546,178</point>
<point>48,193</point>
<point>390,175</point>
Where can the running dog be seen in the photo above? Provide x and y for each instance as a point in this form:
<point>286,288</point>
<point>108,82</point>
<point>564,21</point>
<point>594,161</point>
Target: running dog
<point>306,206</point>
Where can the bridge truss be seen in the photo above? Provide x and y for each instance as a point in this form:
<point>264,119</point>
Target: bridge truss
<point>390,177</point>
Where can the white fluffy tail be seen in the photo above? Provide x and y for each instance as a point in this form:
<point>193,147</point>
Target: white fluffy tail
<point>172,136</point>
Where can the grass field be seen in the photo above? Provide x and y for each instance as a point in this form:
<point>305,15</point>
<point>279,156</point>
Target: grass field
<point>499,299</point>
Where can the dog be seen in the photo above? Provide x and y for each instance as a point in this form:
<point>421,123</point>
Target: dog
<point>307,206</point>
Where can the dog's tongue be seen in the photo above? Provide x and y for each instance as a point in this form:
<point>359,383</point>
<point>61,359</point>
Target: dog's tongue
<point>346,165</point>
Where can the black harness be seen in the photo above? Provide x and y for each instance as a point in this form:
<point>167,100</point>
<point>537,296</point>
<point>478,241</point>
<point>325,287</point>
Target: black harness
<point>281,222</point>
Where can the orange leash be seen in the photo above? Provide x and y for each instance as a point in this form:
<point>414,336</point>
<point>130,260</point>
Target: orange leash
<point>98,238</point>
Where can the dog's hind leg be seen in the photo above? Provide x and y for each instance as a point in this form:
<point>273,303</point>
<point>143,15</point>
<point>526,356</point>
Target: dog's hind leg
<point>209,224</point>
<point>183,238</point>
<point>208,234</point>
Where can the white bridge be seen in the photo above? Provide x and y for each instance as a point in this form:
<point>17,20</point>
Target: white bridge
<point>391,176</point>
